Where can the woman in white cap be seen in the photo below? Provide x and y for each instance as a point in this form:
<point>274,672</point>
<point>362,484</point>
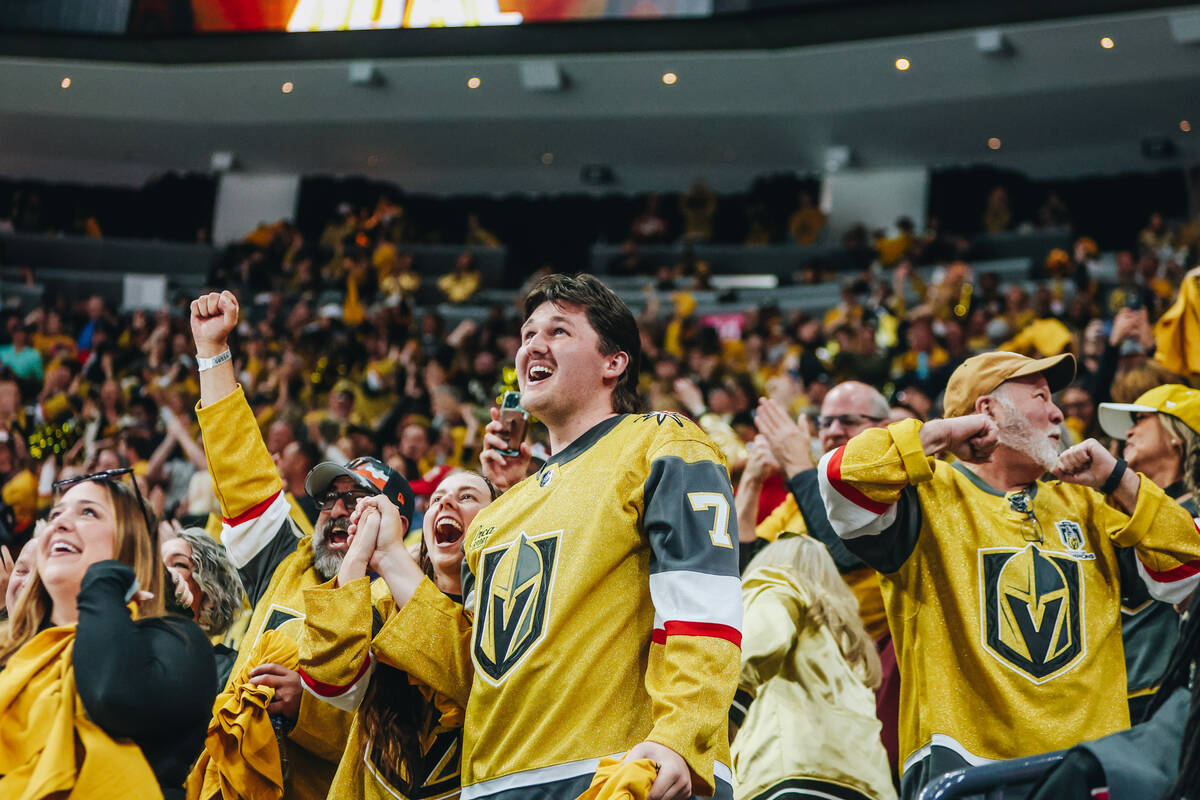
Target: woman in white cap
<point>1161,430</point>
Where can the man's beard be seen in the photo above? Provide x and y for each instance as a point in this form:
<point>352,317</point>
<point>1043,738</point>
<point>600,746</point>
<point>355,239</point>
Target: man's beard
<point>325,561</point>
<point>1016,432</point>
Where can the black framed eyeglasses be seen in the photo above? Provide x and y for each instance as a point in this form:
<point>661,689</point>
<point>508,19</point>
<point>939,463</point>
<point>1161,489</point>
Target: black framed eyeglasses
<point>110,475</point>
<point>1022,503</point>
<point>327,500</point>
<point>847,420</point>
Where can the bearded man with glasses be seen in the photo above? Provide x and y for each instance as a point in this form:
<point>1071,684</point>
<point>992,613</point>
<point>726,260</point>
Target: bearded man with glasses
<point>275,563</point>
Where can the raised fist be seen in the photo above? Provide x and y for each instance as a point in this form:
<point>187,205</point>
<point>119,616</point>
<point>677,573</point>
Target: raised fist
<point>1087,464</point>
<point>214,316</point>
<point>971,438</point>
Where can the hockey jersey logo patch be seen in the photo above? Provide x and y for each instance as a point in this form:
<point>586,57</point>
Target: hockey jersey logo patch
<point>513,602</point>
<point>1032,610</point>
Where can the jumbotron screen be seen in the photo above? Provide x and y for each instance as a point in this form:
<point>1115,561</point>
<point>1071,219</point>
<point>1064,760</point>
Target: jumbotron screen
<point>341,15</point>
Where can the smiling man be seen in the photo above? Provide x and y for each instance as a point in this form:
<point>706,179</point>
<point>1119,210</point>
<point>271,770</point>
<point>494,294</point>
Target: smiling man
<point>1002,586</point>
<point>602,600</point>
<point>276,564</point>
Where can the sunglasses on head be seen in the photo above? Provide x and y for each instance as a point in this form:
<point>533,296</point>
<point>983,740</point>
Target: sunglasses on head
<point>111,475</point>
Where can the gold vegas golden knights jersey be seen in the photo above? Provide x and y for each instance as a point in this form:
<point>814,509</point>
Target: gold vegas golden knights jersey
<point>344,647</point>
<point>603,609</point>
<point>1005,609</point>
<point>275,566</point>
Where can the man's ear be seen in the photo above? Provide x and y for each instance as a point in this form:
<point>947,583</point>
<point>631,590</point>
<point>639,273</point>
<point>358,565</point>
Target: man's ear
<point>986,405</point>
<point>618,362</point>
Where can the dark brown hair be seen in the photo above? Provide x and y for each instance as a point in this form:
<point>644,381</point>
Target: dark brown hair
<point>393,710</point>
<point>609,317</point>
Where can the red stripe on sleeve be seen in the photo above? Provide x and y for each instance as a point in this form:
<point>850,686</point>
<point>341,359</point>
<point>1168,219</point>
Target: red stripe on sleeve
<point>834,473</point>
<point>254,512</point>
<point>331,689</point>
<point>1171,575</point>
<point>713,629</point>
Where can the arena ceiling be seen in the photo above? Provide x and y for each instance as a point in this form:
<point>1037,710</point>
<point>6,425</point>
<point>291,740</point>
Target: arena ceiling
<point>1058,101</point>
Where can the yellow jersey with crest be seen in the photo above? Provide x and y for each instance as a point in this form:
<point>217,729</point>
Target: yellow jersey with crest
<point>602,609</point>
<point>275,565</point>
<point>1005,609</point>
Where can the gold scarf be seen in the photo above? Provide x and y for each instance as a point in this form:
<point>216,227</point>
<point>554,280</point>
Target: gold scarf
<point>241,755</point>
<point>48,746</point>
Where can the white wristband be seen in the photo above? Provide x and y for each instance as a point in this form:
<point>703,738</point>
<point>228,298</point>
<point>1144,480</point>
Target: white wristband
<point>203,363</point>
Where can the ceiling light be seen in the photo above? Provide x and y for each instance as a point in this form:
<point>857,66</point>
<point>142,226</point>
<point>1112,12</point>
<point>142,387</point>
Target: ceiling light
<point>902,64</point>
<point>547,158</point>
<point>669,78</point>
<point>1185,126</point>
<point>287,87</point>
<point>473,82</point>
<point>1107,43</point>
<point>66,83</point>
<point>994,143</point>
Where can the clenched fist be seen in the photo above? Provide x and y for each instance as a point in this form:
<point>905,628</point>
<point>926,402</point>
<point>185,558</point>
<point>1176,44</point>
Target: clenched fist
<point>972,438</point>
<point>214,316</point>
<point>1087,464</point>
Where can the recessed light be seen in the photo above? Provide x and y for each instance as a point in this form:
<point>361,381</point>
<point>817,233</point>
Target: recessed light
<point>287,87</point>
<point>669,78</point>
<point>65,83</point>
<point>1107,43</point>
<point>903,64</point>
<point>1185,126</point>
<point>547,158</point>
<point>994,143</point>
<point>473,82</point>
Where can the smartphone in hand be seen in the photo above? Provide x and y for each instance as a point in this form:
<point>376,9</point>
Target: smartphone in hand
<point>514,420</point>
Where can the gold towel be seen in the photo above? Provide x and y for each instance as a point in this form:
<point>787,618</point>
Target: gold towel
<point>241,755</point>
<point>622,780</point>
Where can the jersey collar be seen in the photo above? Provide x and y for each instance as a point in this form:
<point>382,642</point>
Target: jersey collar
<point>583,442</point>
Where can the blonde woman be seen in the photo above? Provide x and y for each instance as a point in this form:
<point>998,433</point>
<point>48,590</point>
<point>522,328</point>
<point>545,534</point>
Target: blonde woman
<point>97,701</point>
<point>808,670</point>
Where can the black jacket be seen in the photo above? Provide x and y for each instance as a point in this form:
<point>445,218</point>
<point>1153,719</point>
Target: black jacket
<point>152,681</point>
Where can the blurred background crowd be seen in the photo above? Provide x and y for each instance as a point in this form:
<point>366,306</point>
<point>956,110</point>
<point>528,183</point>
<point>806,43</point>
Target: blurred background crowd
<point>346,348</point>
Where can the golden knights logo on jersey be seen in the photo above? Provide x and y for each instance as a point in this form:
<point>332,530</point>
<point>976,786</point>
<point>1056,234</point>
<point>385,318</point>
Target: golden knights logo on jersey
<point>513,601</point>
<point>439,765</point>
<point>1032,607</point>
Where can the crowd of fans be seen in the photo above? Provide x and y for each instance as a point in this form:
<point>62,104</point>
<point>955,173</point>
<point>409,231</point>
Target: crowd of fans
<point>341,359</point>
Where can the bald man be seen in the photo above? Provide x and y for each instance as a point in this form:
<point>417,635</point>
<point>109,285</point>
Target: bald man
<point>848,409</point>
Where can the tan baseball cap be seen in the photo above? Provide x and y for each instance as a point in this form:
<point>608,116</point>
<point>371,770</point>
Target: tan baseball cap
<point>1174,399</point>
<point>980,375</point>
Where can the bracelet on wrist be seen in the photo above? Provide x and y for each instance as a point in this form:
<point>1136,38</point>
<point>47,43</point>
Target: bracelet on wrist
<point>1114,478</point>
<point>203,363</point>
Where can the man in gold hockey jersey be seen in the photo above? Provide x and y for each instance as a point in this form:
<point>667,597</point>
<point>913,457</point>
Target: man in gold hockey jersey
<point>275,563</point>
<point>602,610</point>
<point>1002,586</point>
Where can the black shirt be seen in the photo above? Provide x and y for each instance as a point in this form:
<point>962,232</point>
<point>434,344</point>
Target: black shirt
<point>152,681</point>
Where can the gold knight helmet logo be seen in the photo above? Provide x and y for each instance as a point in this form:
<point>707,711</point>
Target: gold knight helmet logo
<point>514,600</point>
<point>1032,610</point>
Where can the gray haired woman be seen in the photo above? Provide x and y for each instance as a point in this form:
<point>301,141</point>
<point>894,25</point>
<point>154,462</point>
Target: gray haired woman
<point>207,583</point>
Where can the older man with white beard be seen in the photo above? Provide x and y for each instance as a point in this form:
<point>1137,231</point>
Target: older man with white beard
<point>276,564</point>
<point>1002,585</point>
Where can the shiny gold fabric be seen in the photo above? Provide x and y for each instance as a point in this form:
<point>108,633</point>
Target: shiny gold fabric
<point>241,755</point>
<point>49,748</point>
<point>813,716</point>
